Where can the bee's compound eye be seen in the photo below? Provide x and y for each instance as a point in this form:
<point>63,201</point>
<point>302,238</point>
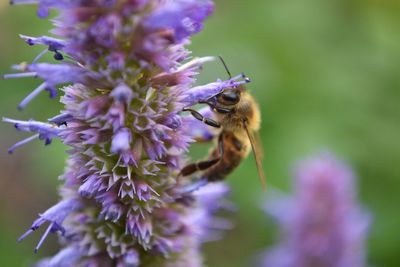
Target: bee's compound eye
<point>230,97</point>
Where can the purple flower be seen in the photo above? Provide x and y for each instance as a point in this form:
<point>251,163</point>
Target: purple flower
<point>126,75</point>
<point>184,17</point>
<point>44,131</point>
<point>55,216</point>
<point>66,257</point>
<point>323,225</point>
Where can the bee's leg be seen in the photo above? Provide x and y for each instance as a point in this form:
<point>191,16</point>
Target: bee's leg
<point>203,165</point>
<point>218,109</point>
<point>198,166</point>
<point>191,168</point>
<point>200,117</point>
<point>224,110</point>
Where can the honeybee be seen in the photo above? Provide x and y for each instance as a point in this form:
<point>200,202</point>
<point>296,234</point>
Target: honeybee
<point>238,115</point>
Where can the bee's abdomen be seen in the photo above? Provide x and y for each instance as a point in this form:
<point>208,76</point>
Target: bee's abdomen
<point>234,152</point>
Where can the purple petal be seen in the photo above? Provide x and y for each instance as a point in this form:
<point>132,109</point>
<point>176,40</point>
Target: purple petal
<point>58,212</point>
<point>185,17</point>
<point>21,143</point>
<point>42,128</point>
<point>55,215</point>
<point>61,119</point>
<point>58,73</point>
<point>53,43</point>
<point>32,95</point>
<point>65,258</point>
<point>122,93</point>
<point>121,141</point>
<point>203,92</point>
<point>45,5</point>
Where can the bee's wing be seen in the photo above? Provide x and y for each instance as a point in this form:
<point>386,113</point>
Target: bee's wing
<point>258,154</point>
<point>257,141</point>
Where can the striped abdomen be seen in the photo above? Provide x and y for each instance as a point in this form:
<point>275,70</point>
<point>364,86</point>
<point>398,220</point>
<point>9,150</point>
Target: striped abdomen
<point>234,152</point>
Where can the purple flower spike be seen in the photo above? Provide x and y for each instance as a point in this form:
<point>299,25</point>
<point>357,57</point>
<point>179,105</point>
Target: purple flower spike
<point>127,78</point>
<point>323,225</point>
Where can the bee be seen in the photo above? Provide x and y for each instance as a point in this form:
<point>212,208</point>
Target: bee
<point>237,114</point>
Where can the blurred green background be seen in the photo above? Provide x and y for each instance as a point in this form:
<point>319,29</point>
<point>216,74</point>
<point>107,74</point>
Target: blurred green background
<point>326,75</point>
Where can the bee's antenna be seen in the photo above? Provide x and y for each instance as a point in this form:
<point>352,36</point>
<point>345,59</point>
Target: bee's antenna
<point>226,67</point>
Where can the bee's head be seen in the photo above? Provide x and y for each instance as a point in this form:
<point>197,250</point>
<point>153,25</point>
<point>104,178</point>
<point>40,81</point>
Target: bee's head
<point>230,96</point>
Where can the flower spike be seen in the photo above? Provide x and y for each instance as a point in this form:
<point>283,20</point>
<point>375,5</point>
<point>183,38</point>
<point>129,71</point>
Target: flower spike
<point>125,74</point>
